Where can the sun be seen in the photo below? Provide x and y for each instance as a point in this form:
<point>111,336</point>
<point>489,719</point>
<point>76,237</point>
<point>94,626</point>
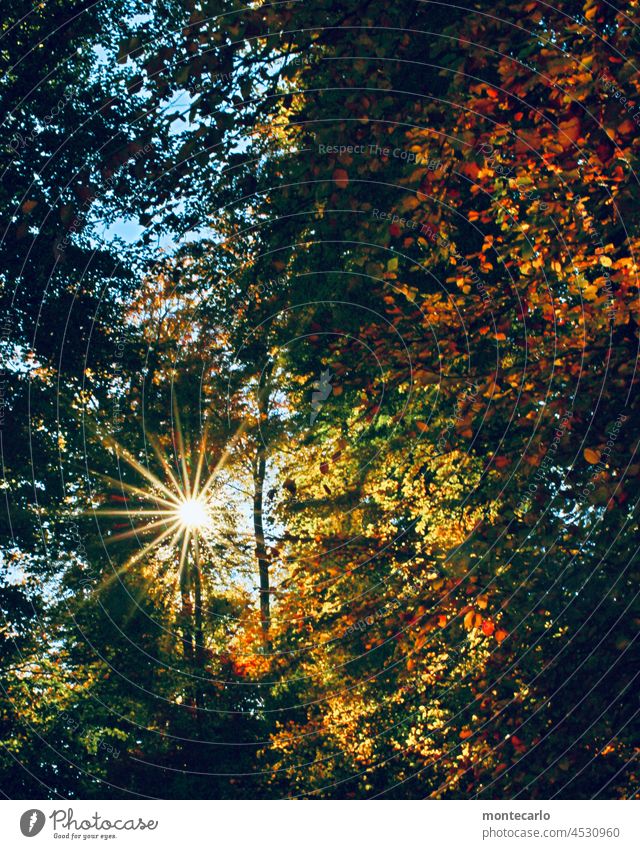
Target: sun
<point>193,513</point>
<point>178,510</point>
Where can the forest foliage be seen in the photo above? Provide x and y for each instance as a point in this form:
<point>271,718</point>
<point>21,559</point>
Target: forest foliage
<point>371,273</point>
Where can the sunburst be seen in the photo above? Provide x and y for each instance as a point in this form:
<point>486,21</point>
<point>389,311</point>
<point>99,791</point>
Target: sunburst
<point>178,509</point>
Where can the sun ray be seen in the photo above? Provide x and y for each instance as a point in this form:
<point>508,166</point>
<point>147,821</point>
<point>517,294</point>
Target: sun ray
<point>152,544</point>
<point>181,454</point>
<point>157,450</point>
<point>224,457</point>
<point>201,458</point>
<point>124,513</point>
<point>140,594</point>
<point>134,558</point>
<point>135,464</point>
<point>142,493</point>
<point>143,529</point>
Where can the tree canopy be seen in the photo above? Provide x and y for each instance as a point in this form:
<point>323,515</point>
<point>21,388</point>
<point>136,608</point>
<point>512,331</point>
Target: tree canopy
<point>318,415</point>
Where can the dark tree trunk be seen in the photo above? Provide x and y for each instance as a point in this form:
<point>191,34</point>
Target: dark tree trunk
<point>186,613</point>
<point>259,471</point>
<point>198,633</point>
<point>261,549</point>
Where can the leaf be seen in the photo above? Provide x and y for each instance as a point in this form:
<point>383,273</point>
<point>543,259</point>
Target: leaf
<point>341,178</point>
<point>591,456</point>
<point>569,131</point>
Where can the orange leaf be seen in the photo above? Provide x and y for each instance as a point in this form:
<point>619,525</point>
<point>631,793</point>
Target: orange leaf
<point>341,178</point>
<point>591,456</point>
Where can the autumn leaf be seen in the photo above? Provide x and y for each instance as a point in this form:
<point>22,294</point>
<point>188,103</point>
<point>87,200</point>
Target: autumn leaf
<point>569,131</point>
<point>472,620</point>
<point>341,178</point>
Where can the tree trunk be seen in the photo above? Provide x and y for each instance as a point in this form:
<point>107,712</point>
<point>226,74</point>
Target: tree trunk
<point>261,549</point>
<point>186,613</point>
<point>259,471</point>
<point>198,631</point>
